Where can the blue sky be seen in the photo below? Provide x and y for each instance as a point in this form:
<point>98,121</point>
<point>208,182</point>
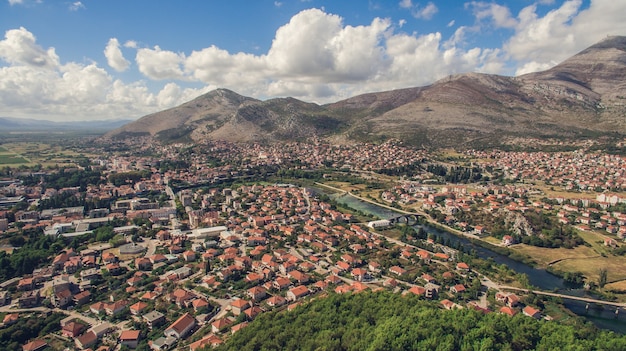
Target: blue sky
<point>111,59</point>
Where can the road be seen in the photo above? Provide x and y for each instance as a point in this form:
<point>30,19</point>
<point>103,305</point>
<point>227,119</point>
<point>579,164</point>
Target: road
<point>70,314</point>
<point>568,297</point>
<point>151,247</point>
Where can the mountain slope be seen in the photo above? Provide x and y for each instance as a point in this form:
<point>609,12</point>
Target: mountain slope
<point>584,95</point>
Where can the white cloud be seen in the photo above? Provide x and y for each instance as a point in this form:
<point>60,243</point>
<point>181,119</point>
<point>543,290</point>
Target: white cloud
<point>131,44</point>
<point>499,15</point>
<point>278,3</point>
<point>314,57</point>
<point>160,64</point>
<point>420,12</point>
<point>450,24</point>
<point>406,4</point>
<point>77,5</point>
<point>534,66</point>
<point>541,42</point>
<point>427,12</point>
<point>19,48</point>
<point>401,23</point>
<point>16,2</point>
<point>114,56</point>
<point>35,84</point>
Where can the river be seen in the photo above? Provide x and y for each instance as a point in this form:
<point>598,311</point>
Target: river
<point>604,318</point>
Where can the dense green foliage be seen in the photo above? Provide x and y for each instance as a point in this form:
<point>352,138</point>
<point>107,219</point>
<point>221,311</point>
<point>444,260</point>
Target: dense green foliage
<point>65,179</point>
<point>18,334</point>
<point>35,252</point>
<point>119,179</point>
<point>387,321</point>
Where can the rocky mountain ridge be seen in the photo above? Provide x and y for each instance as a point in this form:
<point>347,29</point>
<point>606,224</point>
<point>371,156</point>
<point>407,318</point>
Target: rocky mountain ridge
<point>583,96</point>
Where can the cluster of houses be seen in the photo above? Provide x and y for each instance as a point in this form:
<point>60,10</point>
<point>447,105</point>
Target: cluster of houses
<point>260,247</point>
<point>277,246</point>
<point>584,213</point>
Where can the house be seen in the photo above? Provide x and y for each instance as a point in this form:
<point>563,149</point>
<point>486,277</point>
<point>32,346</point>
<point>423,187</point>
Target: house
<point>150,295</point>
<point>397,270</point>
<point>512,300</point>
<point>189,256</point>
<point>82,298</point>
<point>10,318</point>
<point>116,307</point>
<point>257,293</point>
<point>531,312</point>
<point>281,283</point>
<point>181,297</point>
<point>374,267</point>
<point>72,329</point>
<point>35,345</point>
<point>209,340</point>
<point>97,308</point>
<point>508,240</point>
<point>162,343</point>
<point>219,325</point>
<point>359,274</point>
<point>28,299</point>
<point>448,305</point>
<point>143,264</point>
<point>238,327</point>
<point>276,301</point>
<point>508,311</point>
<point>238,306</point>
<point>86,340</point>
<point>424,256</point>
<point>138,307</point>
<point>61,298</point>
<point>252,312</point>
<point>154,319</point>
<point>457,289</point>
<point>417,290</point>
<point>463,267</point>
<point>181,327</point>
<point>298,277</point>
<point>297,293</point>
<point>199,305</point>
<point>129,338</point>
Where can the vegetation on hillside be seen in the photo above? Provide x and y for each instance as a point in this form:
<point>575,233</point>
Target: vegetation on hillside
<point>387,321</point>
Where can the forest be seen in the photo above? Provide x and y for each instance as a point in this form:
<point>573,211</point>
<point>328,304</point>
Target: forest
<point>388,321</point>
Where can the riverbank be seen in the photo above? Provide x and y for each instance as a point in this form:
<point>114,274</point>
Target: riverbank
<point>536,277</point>
<point>502,250</point>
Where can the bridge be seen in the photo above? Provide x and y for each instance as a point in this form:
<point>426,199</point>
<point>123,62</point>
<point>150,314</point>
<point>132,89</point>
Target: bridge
<point>568,297</point>
<point>408,219</point>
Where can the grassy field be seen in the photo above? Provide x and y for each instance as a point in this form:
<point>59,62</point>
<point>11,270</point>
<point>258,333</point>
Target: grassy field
<point>617,286</point>
<point>585,259</point>
<point>544,255</point>
<point>590,267</point>
<point>33,153</point>
<point>595,240</point>
<point>11,159</point>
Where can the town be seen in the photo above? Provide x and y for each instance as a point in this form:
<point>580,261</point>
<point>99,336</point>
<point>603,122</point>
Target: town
<point>180,246</point>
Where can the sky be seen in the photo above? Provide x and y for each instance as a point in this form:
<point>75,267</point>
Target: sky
<point>122,59</point>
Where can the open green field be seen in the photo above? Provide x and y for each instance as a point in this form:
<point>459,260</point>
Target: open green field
<point>590,267</point>
<point>11,159</point>
<point>33,153</point>
<point>544,256</point>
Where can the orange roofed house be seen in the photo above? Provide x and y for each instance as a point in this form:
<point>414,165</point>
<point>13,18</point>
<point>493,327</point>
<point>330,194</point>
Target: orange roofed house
<point>181,327</point>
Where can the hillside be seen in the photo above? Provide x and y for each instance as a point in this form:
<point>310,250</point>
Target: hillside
<point>585,95</point>
<point>387,321</point>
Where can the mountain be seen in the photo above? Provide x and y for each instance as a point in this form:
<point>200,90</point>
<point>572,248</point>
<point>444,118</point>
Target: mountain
<point>34,125</point>
<point>583,96</point>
